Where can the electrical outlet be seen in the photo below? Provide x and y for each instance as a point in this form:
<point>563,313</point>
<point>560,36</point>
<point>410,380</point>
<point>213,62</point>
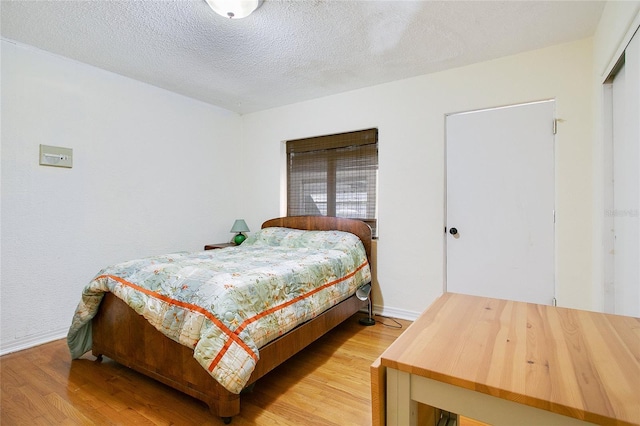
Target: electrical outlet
<point>56,156</point>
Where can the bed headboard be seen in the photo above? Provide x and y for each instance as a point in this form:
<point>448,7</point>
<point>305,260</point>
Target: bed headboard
<point>325,223</point>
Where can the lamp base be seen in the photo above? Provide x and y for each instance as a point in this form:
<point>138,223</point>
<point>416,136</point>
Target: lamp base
<point>367,321</point>
<point>239,238</point>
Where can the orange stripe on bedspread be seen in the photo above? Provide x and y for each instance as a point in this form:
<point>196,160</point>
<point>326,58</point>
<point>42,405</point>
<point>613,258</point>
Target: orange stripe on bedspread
<point>262,314</point>
<point>190,307</point>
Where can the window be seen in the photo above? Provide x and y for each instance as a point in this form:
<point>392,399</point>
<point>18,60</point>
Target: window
<point>334,175</point>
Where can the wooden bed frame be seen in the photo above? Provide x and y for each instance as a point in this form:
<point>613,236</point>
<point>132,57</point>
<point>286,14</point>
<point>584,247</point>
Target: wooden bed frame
<point>126,337</point>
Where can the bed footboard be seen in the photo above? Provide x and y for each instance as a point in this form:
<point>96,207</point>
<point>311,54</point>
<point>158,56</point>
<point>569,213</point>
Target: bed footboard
<point>126,337</point>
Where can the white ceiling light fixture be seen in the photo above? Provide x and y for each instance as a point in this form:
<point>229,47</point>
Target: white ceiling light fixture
<point>234,9</point>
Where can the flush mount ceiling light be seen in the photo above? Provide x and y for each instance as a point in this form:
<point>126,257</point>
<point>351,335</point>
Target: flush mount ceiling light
<point>234,9</point>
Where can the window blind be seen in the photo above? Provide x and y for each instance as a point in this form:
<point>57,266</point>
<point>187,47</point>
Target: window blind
<point>334,175</point>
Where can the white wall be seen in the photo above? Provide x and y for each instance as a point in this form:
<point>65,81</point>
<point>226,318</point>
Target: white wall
<point>410,117</point>
<point>150,175</point>
<point>617,25</point>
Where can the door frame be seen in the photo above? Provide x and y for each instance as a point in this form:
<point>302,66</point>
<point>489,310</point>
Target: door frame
<point>555,201</point>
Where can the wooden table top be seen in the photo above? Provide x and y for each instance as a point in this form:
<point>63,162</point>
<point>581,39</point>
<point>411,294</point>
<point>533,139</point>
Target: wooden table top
<point>576,363</point>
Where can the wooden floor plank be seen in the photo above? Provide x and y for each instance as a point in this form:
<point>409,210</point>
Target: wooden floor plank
<point>326,384</point>
<point>71,413</point>
<point>38,404</point>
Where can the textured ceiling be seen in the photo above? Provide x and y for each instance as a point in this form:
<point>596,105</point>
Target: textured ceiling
<point>289,51</point>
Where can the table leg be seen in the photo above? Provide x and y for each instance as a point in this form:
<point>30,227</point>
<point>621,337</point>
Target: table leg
<point>401,409</point>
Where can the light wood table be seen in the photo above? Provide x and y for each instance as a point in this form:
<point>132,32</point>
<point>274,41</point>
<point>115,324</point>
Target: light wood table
<point>511,363</point>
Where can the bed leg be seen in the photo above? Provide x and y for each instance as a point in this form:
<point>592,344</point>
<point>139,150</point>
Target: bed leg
<point>248,389</point>
<point>225,406</point>
<point>98,358</point>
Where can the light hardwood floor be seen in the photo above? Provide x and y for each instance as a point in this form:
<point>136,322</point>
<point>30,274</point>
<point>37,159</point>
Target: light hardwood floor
<point>326,384</point>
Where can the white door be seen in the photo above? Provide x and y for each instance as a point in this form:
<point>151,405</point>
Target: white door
<point>625,214</point>
<point>500,203</point>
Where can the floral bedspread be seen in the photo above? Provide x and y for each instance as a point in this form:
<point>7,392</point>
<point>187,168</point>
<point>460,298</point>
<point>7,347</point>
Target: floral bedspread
<point>227,303</point>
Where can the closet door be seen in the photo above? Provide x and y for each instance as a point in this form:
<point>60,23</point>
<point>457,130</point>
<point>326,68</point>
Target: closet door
<point>625,214</point>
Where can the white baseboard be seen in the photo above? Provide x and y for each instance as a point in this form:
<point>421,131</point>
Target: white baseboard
<point>32,341</point>
<point>42,338</point>
<point>394,313</point>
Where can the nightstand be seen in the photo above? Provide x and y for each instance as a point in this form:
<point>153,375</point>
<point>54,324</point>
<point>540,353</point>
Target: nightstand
<point>218,246</point>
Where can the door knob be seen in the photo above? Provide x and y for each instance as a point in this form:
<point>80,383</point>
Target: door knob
<point>453,231</point>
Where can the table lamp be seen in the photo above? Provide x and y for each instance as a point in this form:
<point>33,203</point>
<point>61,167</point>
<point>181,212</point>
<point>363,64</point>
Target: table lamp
<point>239,227</point>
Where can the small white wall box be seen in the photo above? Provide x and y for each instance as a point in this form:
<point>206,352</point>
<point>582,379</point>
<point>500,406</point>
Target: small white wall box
<point>56,156</point>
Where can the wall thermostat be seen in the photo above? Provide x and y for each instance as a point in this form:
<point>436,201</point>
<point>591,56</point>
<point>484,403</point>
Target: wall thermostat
<point>56,156</point>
